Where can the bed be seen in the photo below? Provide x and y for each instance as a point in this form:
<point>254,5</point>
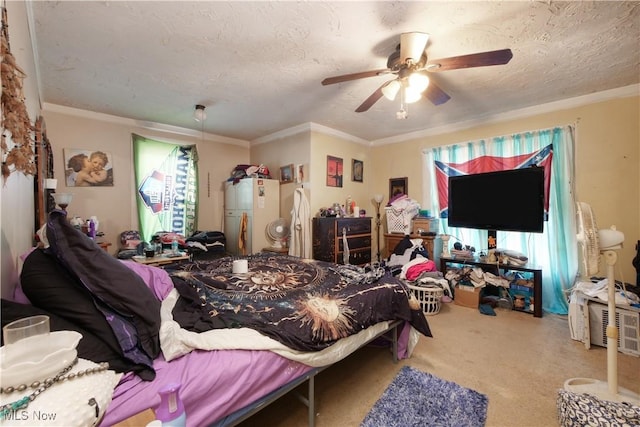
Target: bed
<point>231,340</point>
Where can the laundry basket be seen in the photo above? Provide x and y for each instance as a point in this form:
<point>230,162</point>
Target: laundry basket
<point>429,298</point>
<point>399,221</point>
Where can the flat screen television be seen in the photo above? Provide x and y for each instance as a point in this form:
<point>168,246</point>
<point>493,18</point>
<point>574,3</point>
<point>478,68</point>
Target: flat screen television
<point>511,200</point>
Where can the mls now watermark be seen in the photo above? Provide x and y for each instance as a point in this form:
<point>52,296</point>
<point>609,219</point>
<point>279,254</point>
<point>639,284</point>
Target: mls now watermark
<point>25,415</point>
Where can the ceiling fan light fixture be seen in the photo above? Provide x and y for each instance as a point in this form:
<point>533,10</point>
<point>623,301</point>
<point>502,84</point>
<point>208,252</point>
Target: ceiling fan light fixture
<point>390,90</point>
<point>411,95</point>
<point>418,82</point>
<point>412,46</point>
<point>199,115</point>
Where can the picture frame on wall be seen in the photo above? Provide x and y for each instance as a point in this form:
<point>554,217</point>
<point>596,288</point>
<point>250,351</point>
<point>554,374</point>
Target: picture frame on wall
<point>398,186</point>
<point>287,174</point>
<point>357,170</point>
<point>334,171</point>
<point>88,168</point>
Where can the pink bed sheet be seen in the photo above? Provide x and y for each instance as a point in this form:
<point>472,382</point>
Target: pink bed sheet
<point>213,384</point>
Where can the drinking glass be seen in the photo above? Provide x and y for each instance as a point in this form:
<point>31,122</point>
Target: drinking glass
<point>24,328</point>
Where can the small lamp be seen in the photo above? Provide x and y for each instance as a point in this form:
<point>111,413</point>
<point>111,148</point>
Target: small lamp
<point>378,200</point>
<point>63,199</point>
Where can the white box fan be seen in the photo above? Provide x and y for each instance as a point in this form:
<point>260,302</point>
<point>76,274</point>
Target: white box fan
<point>278,232</point>
<point>593,243</point>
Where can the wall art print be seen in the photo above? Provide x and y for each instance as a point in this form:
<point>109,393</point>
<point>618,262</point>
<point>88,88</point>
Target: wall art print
<point>334,171</point>
<point>357,170</point>
<point>88,168</point>
<point>398,186</point>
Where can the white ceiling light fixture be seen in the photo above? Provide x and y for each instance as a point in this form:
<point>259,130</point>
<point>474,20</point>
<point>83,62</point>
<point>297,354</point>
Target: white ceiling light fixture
<point>418,81</point>
<point>390,90</point>
<point>199,115</point>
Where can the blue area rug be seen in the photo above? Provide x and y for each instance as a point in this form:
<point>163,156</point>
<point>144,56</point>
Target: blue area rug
<point>416,398</point>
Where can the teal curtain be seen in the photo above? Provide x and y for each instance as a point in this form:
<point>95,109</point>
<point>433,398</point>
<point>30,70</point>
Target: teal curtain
<point>166,178</point>
<point>555,250</point>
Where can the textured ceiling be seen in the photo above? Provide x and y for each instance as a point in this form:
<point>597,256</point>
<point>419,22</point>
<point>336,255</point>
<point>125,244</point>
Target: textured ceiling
<point>257,66</point>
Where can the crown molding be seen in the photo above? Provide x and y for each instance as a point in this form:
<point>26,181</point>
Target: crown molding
<point>158,127</point>
<point>578,101</point>
<point>309,127</point>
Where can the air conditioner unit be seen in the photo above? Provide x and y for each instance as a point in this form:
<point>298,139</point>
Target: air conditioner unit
<point>627,321</point>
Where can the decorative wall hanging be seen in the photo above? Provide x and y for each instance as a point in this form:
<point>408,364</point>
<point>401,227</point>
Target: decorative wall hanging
<point>301,173</point>
<point>398,186</point>
<point>16,143</point>
<point>357,170</point>
<point>334,171</point>
<point>86,168</point>
<point>287,174</point>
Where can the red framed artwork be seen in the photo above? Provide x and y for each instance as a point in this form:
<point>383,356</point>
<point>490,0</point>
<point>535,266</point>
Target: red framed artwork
<point>334,171</point>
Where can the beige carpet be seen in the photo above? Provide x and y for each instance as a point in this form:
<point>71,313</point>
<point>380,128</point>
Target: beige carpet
<point>517,360</point>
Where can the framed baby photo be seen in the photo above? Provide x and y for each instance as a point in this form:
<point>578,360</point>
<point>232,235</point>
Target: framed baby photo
<point>88,168</point>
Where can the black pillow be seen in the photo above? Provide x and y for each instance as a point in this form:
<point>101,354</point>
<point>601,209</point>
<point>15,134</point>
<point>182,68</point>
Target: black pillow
<point>90,346</point>
<point>51,288</point>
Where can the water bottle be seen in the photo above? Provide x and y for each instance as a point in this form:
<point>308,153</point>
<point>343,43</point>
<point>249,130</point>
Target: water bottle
<point>92,229</point>
<point>171,410</point>
<point>174,246</point>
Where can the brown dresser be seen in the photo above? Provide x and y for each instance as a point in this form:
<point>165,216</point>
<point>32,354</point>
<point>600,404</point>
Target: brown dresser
<point>328,244</point>
<point>391,240</point>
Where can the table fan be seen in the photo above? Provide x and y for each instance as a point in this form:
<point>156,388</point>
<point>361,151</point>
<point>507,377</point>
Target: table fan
<point>278,231</point>
<point>595,242</point>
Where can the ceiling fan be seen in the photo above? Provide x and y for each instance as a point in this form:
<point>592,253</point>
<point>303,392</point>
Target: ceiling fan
<point>409,62</point>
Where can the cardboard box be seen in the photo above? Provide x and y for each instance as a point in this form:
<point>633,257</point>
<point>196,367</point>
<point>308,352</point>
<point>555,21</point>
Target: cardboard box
<point>467,296</point>
<point>426,224</point>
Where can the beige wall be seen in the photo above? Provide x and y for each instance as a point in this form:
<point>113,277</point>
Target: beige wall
<point>323,145</point>
<point>607,162</point>
<point>115,206</point>
<point>287,150</point>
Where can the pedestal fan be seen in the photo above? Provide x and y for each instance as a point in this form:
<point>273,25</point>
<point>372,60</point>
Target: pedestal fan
<point>277,232</point>
<point>593,243</point>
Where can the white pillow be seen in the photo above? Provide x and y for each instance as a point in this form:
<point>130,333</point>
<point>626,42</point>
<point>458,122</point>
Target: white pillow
<point>66,403</point>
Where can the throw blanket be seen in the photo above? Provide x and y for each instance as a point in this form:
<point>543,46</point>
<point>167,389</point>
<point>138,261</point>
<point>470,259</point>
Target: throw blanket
<point>305,304</point>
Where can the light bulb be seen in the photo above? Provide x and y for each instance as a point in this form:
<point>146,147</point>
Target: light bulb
<point>390,90</point>
<point>418,82</point>
<point>411,95</point>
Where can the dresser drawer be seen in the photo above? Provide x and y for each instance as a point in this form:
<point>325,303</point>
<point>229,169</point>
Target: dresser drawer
<point>353,226</point>
<point>355,242</point>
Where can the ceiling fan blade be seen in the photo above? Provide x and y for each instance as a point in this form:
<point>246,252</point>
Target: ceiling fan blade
<point>368,103</point>
<point>436,95</point>
<point>482,59</point>
<point>354,76</point>
<point>412,46</point>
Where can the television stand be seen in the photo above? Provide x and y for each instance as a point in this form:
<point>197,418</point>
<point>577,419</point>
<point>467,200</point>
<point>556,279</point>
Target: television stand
<point>496,269</point>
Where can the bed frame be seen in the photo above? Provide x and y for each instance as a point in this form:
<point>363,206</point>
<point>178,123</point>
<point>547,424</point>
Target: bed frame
<point>242,414</point>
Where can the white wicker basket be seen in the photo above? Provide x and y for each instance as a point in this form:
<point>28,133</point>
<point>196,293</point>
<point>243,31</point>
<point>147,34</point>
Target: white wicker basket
<point>429,298</point>
<point>399,221</point>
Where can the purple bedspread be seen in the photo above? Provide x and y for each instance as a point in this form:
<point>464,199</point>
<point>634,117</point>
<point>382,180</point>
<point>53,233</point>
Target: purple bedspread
<point>213,384</point>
